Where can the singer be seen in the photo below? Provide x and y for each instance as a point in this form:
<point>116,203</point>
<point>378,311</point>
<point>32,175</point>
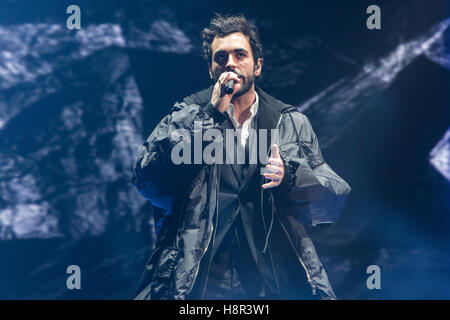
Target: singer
<point>236,230</point>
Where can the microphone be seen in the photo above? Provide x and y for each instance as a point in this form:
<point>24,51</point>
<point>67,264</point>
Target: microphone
<point>229,86</point>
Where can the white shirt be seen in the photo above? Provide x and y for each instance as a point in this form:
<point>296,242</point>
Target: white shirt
<point>243,128</point>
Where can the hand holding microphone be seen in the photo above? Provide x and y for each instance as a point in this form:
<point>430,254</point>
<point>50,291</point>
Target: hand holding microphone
<point>229,87</point>
<point>224,89</point>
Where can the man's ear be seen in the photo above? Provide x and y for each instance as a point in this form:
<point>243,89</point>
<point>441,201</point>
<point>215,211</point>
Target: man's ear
<point>258,67</point>
<point>210,72</point>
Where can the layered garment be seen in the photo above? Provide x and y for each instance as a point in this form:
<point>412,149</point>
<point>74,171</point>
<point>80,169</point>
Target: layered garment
<point>272,220</point>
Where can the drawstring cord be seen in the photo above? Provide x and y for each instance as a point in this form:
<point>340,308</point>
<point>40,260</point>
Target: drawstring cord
<point>268,233</point>
<point>271,198</point>
<point>266,244</point>
<point>271,220</point>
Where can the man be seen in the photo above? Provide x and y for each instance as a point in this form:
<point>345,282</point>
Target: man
<point>228,231</point>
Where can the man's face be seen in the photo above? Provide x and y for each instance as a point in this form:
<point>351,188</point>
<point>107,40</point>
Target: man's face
<point>234,53</point>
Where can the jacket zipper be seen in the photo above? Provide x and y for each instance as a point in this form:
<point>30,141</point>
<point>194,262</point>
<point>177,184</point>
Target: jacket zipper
<point>210,259</point>
<point>199,262</point>
<point>214,231</point>
<point>213,235</point>
<point>313,286</point>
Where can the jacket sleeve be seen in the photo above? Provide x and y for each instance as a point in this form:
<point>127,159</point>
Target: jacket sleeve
<point>158,176</point>
<point>310,191</point>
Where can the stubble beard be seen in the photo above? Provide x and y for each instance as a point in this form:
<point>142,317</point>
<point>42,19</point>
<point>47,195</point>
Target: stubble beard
<point>246,84</point>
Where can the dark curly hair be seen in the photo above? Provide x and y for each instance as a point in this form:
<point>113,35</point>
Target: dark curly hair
<point>221,26</point>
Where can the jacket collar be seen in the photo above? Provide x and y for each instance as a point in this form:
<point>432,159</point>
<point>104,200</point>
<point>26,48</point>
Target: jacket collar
<point>269,109</point>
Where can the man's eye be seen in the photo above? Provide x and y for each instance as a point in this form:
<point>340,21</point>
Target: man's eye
<point>220,58</point>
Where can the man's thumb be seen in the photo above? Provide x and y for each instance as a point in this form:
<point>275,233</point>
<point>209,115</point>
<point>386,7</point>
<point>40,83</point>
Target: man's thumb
<point>274,151</point>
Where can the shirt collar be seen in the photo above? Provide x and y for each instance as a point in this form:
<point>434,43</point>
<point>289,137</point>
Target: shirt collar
<point>253,111</point>
<point>254,107</point>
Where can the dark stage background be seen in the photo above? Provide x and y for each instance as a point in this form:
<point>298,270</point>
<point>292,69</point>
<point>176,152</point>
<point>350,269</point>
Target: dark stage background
<point>75,105</point>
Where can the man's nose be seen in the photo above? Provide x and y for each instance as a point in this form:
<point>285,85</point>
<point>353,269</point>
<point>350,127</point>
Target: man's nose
<point>231,64</point>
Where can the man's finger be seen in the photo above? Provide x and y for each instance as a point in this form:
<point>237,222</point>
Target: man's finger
<point>276,162</point>
<point>273,169</point>
<point>224,77</point>
<point>270,185</point>
<point>273,177</point>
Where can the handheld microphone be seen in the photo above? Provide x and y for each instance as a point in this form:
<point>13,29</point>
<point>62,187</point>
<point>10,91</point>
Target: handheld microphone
<point>229,86</point>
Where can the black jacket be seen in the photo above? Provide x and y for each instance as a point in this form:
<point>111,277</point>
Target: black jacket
<point>311,193</point>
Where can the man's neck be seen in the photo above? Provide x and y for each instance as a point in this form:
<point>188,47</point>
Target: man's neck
<point>243,103</point>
